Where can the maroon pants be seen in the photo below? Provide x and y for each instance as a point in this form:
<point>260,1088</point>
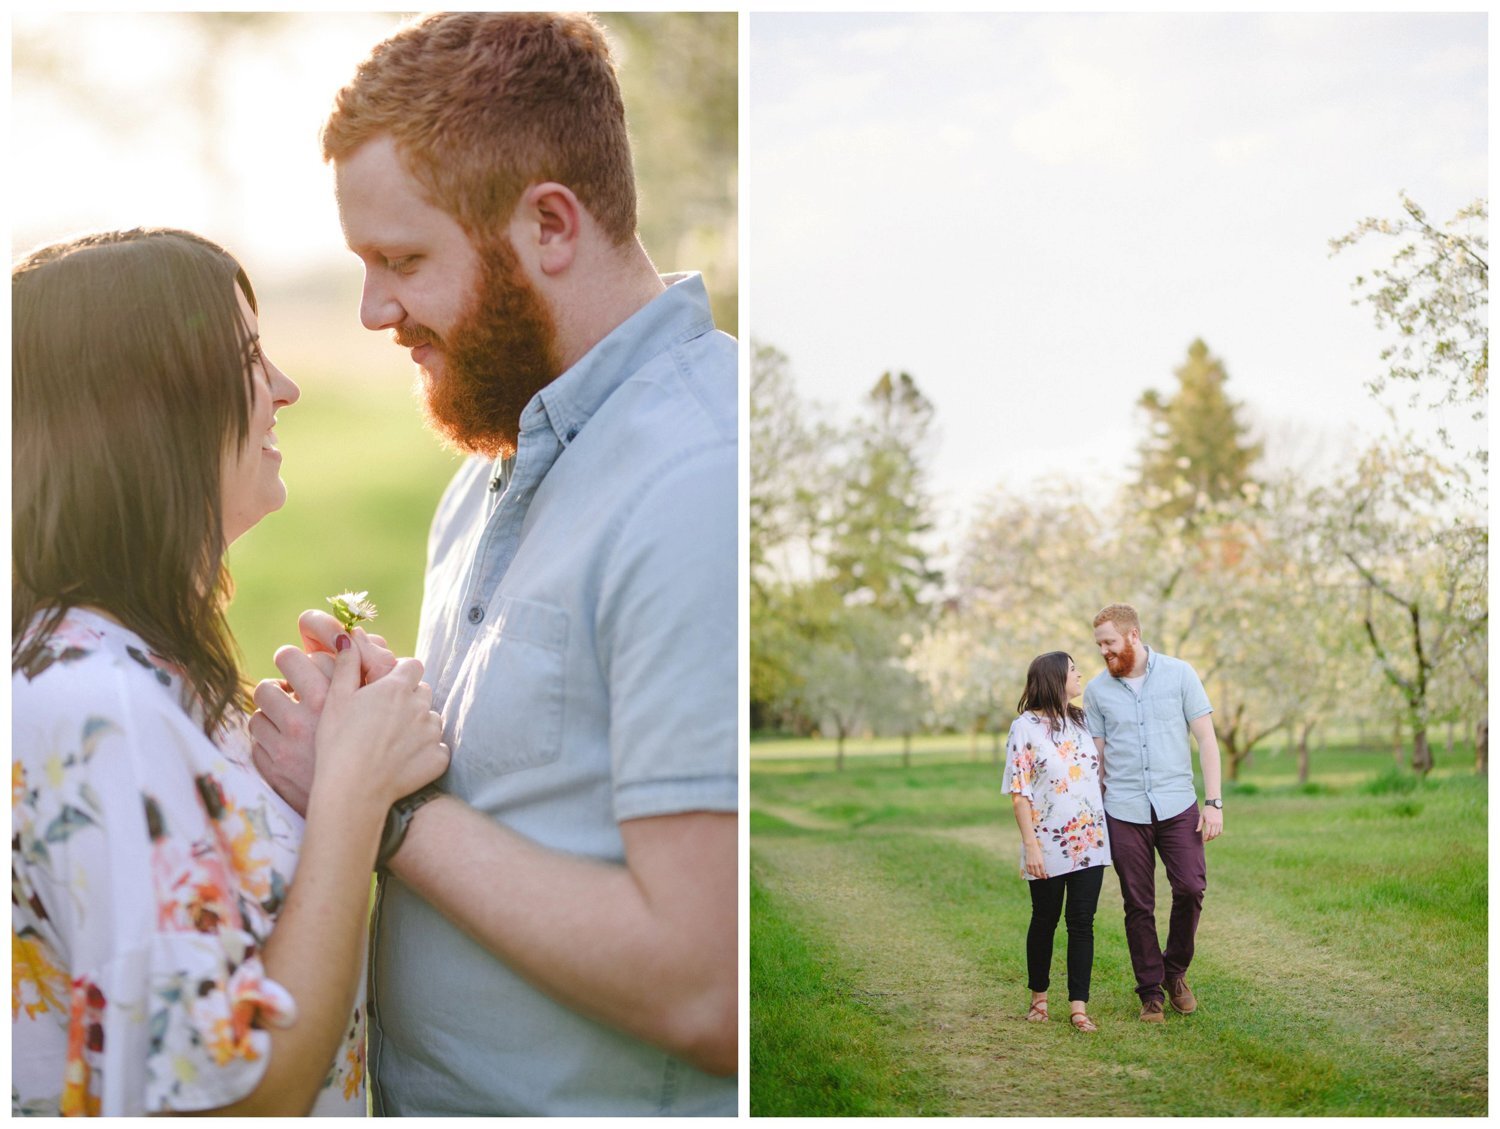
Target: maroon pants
<point>1134,847</point>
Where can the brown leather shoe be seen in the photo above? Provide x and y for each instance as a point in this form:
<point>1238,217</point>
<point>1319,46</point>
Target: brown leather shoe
<point>1182,996</point>
<point>1151,1012</point>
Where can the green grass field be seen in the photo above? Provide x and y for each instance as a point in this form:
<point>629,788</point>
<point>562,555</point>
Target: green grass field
<point>1340,968</point>
<point>363,478</point>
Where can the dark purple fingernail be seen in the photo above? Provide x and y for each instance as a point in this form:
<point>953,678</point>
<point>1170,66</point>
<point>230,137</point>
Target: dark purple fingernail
<point>342,643</point>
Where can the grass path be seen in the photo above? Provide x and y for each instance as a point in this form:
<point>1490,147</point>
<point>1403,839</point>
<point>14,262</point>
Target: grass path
<point>961,1026</point>
<point>1339,999</point>
<point>1346,984</point>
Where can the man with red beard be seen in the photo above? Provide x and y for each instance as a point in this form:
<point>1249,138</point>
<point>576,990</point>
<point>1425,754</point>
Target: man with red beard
<point>555,926</point>
<point>1139,712</point>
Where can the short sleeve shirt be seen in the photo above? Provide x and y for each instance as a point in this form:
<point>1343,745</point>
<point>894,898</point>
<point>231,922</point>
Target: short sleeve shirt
<point>149,865</point>
<point>579,628</point>
<point>1148,766</point>
<point>1059,773</point>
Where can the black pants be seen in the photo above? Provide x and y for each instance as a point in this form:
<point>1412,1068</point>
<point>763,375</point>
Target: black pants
<point>1082,887</point>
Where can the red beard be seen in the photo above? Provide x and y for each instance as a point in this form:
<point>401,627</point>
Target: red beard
<point>1120,665</point>
<point>501,354</point>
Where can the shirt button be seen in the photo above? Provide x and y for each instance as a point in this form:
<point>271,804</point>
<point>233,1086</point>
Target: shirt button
<point>476,613</point>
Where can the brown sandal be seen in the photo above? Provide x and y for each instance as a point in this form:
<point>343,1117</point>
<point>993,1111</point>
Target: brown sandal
<point>1038,1012</point>
<point>1081,1022</point>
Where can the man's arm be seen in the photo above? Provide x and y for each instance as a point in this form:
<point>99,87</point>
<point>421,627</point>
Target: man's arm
<point>648,947</point>
<point>1211,822</point>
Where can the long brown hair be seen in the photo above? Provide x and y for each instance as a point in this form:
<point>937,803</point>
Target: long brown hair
<point>130,377</point>
<point>1046,690</point>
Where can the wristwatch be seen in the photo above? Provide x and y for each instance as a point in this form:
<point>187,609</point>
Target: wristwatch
<point>396,821</point>
<point>1215,804</point>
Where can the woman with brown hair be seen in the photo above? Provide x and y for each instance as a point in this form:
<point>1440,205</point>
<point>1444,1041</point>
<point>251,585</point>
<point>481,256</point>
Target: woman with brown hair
<point>165,956</point>
<point>1052,775</point>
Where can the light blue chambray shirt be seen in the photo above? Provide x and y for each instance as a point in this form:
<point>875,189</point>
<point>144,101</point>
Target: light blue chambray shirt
<point>579,629</point>
<point>1147,762</point>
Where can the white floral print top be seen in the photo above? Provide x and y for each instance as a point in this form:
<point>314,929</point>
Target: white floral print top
<point>1059,774</point>
<point>148,865</point>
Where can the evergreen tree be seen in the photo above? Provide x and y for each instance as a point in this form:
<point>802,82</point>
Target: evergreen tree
<point>1197,451</point>
<point>876,553</point>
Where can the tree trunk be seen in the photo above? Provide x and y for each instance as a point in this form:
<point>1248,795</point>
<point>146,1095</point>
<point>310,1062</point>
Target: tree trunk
<point>1302,760</point>
<point>1421,753</point>
<point>974,741</point>
<point>1482,747</point>
<point>1451,727</point>
<point>1399,748</point>
<point>839,763</point>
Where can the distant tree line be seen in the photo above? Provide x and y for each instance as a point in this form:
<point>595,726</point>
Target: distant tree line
<point>1358,599</point>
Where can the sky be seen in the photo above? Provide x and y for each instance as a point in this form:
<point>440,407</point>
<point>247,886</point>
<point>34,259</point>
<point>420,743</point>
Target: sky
<point>1035,215</point>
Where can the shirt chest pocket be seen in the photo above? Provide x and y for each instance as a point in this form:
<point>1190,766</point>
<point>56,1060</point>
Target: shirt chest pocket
<point>1166,709</point>
<point>509,706</point>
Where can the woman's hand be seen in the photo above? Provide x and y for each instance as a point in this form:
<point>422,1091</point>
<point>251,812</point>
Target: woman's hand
<point>1034,865</point>
<point>320,632</point>
<point>381,741</point>
<point>284,726</point>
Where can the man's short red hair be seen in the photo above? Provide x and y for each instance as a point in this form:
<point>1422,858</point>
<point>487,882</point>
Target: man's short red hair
<point>482,105</point>
<point>1122,616</point>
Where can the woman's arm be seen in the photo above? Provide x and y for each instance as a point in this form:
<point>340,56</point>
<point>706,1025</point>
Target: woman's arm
<point>375,745</point>
<point>1026,821</point>
<point>316,953</point>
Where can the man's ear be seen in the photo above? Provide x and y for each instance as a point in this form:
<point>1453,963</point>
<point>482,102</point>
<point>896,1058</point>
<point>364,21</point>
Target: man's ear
<point>546,226</point>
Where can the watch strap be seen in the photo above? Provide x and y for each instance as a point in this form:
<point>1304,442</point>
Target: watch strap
<point>397,819</point>
<point>1215,804</point>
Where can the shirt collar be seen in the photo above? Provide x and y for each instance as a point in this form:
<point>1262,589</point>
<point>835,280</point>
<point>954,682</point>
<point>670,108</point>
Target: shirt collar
<point>679,313</point>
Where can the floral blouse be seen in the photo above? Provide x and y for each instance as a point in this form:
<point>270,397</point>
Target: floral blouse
<point>1059,774</point>
<point>148,865</point>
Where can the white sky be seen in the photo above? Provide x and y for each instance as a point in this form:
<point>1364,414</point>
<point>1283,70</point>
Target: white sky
<point>1035,215</point>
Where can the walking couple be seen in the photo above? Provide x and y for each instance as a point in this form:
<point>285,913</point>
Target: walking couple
<point>1113,782</point>
<point>555,923</point>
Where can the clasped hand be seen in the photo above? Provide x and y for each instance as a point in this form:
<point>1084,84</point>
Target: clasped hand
<point>385,724</point>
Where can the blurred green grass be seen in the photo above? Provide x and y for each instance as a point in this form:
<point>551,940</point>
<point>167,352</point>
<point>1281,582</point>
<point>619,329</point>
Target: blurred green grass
<point>363,477</point>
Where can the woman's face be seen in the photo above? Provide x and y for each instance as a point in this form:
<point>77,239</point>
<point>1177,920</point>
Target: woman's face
<point>251,483</point>
<point>1075,683</point>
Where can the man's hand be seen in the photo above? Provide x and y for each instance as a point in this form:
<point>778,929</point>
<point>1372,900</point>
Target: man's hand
<point>286,721</point>
<point>1210,823</point>
<point>287,710</point>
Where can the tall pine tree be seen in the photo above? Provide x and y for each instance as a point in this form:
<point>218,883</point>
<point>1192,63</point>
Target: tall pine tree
<point>1197,451</point>
<point>876,553</point>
